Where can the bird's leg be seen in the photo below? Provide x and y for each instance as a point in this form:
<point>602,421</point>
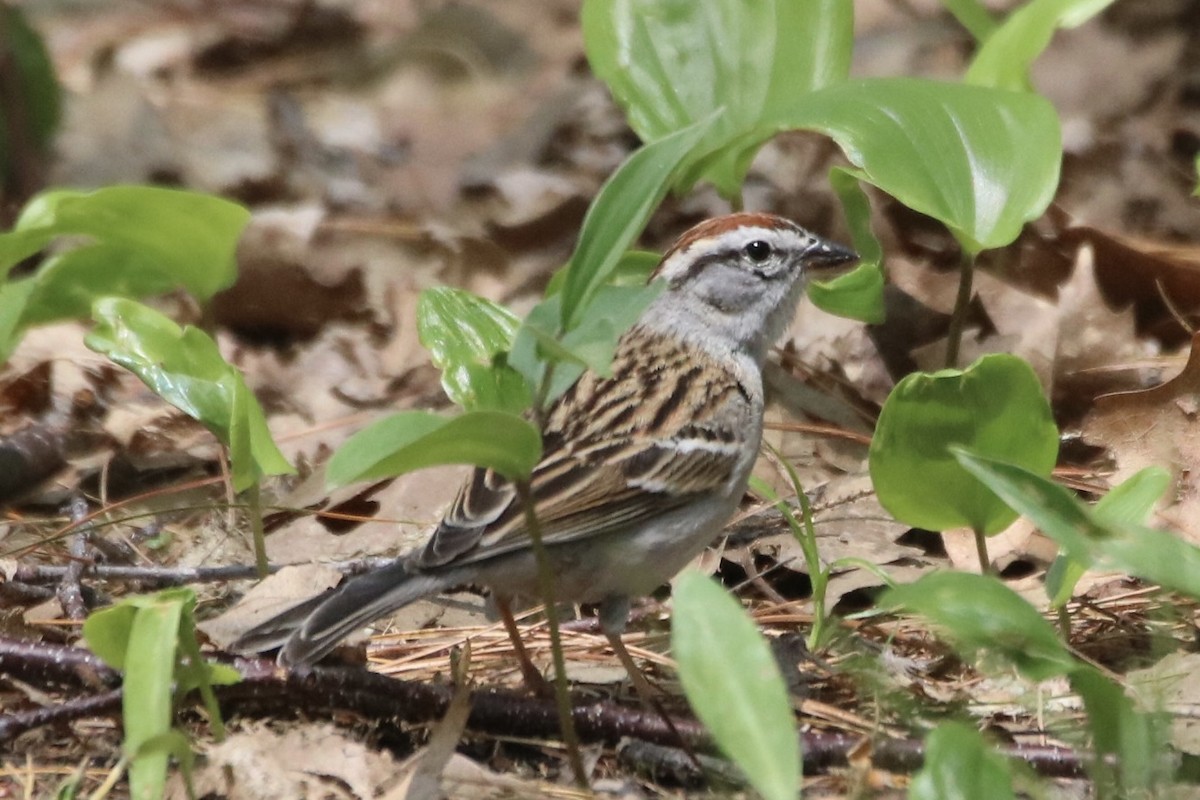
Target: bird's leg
<point>613,614</point>
<point>534,680</point>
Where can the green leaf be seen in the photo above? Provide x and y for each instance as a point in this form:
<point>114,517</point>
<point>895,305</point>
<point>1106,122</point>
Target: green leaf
<point>1128,503</point>
<point>412,440</point>
<point>619,213</point>
<point>1007,53</point>
<point>146,697</point>
<point>1132,752</point>
<point>980,614</point>
<point>465,335</point>
<point>1155,556</point>
<point>591,344</point>
<point>14,296</point>
<point>733,683</point>
<point>33,87</point>
<point>670,63</point>
<point>107,633</point>
<point>857,294</point>
<point>995,408</point>
<point>136,241</point>
<point>982,161</point>
<point>973,16</point>
<point>191,237</point>
<point>612,311</point>
<point>1132,500</point>
<point>959,765</point>
<point>185,368</point>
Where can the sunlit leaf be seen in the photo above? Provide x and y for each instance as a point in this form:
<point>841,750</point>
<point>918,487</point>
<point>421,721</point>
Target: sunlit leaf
<point>982,161</point>
<point>129,241</point>
<point>465,334</point>
<point>673,62</point>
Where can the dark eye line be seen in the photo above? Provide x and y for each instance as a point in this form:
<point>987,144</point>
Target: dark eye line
<point>700,264</point>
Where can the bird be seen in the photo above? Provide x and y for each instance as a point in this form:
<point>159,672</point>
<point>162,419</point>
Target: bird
<point>640,470</point>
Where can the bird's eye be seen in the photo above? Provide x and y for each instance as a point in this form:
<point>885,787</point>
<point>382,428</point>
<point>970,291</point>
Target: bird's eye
<point>757,251</point>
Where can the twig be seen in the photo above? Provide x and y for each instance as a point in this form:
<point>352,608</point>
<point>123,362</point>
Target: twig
<point>70,592</point>
<point>159,577</point>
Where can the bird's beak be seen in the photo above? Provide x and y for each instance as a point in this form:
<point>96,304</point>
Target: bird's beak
<point>826,256</point>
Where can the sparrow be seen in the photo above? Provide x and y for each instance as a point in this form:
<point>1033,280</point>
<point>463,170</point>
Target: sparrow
<point>640,471</point>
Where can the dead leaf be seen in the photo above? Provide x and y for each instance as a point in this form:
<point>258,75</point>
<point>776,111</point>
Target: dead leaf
<point>1157,427</point>
<point>304,761</point>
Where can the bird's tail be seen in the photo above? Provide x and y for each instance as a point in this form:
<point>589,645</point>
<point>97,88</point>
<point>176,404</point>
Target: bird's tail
<point>313,628</point>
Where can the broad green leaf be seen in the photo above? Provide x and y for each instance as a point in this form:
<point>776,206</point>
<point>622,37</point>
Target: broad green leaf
<point>670,63</point>
<point>134,241</point>
<point>982,161</point>
<point>465,334</point>
<point>858,294</point>
<point>66,285</point>
<point>191,236</point>
<point>1007,53</point>
<point>185,368</point>
<point>619,213</point>
<point>733,683</point>
<point>959,765</point>
<point>980,614</point>
<point>1127,503</point>
<point>1156,556</point>
<point>146,692</point>
<point>412,440</point>
<point>995,408</point>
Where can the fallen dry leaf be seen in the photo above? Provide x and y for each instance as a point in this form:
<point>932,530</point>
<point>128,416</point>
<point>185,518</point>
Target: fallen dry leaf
<point>1158,427</point>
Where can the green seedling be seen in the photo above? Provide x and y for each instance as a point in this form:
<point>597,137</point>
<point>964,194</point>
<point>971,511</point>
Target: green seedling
<point>184,367</point>
<point>152,641</point>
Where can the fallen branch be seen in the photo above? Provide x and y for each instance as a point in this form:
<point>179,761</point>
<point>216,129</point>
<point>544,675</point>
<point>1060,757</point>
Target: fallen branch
<point>266,689</point>
<point>156,577</point>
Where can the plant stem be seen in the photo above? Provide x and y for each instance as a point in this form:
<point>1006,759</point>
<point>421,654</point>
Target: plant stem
<point>254,511</point>
<point>1064,623</point>
<point>985,562</point>
<point>546,588</point>
<point>959,317</point>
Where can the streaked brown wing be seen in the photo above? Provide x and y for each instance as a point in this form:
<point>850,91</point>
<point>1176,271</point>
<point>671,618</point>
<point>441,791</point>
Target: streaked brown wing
<point>617,452</point>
